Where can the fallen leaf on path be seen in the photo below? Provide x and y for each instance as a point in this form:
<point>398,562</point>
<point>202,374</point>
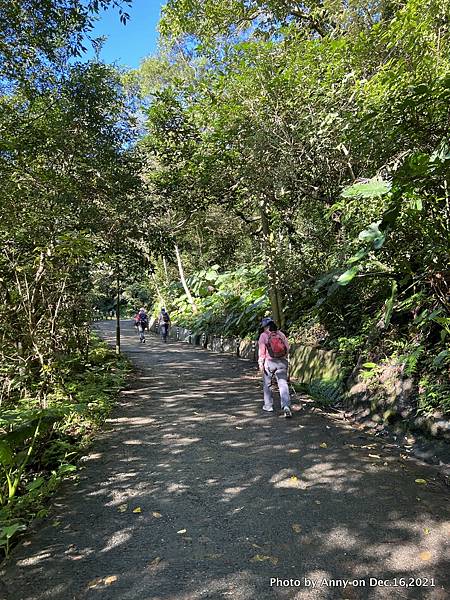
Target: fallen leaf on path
<point>239,428</point>
<point>259,558</point>
<point>182,531</point>
<point>317,501</point>
<point>374,456</point>
<point>102,581</point>
<point>137,510</point>
<point>256,546</point>
<point>263,558</point>
<point>157,515</point>
<point>421,481</point>
<point>294,451</point>
<point>426,555</point>
<point>296,527</point>
<point>122,508</point>
<point>155,562</point>
<point>294,478</point>
<point>323,445</point>
<point>426,531</point>
<point>56,523</point>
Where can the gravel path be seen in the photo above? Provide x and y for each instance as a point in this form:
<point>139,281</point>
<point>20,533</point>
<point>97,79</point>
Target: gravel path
<point>190,493</point>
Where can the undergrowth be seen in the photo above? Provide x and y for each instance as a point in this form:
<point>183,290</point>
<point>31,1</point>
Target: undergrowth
<point>40,446</point>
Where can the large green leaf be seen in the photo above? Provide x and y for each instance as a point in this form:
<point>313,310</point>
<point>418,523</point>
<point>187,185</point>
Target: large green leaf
<point>346,277</point>
<point>357,257</point>
<point>7,532</point>
<point>6,455</point>
<point>442,153</point>
<point>373,234</point>
<point>372,188</point>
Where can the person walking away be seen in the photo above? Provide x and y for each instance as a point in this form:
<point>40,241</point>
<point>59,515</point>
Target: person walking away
<point>136,322</point>
<point>142,324</point>
<point>164,324</point>
<point>273,360</point>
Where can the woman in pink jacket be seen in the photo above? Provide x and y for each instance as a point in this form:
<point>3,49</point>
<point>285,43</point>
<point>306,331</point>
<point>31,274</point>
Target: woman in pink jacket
<point>273,353</point>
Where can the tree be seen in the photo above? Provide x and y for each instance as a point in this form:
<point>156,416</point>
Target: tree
<point>71,186</point>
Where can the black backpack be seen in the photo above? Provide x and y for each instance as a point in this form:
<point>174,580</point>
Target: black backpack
<point>165,317</point>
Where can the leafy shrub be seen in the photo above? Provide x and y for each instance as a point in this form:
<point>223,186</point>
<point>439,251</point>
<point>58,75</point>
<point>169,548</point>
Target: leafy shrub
<point>230,303</point>
<point>434,396</point>
<point>38,445</point>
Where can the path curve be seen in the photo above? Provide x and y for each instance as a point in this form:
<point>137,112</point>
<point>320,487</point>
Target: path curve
<point>190,493</point>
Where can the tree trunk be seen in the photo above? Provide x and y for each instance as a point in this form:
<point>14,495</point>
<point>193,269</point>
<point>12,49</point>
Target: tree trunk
<point>272,273</point>
<point>183,280</point>
<point>166,272</point>
<point>118,315</point>
<point>158,291</point>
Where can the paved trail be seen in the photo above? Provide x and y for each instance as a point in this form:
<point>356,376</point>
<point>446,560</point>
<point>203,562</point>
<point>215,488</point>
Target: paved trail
<point>229,499</point>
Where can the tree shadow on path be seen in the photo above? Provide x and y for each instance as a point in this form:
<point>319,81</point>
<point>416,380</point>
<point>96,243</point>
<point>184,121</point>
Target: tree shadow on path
<point>227,499</point>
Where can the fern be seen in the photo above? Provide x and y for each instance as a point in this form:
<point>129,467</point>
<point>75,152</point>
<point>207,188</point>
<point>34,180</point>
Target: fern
<point>326,393</point>
<point>411,360</point>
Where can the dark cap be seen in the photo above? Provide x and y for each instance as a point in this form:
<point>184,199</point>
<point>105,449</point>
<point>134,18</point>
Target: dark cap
<point>266,321</point>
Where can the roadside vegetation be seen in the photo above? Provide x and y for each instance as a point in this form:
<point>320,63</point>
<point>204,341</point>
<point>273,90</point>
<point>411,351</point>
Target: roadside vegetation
<point>39,446</point>
<point>311,140</point>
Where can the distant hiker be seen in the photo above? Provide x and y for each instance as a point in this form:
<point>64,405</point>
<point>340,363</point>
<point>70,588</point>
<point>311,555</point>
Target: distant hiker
<point>164,324</point>
<point>272,360</point>
<point>142,324</point>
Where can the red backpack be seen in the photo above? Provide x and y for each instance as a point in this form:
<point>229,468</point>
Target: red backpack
<point>275,345</point>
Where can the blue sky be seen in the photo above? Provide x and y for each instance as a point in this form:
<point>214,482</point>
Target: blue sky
<point>128,44</point>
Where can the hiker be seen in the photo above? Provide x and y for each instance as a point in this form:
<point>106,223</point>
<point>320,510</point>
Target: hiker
<point>142,324</point>
<point>272,360</point>
<point>136,321</point>
<point>164,324</point>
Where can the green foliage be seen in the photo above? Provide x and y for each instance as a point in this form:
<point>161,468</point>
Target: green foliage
<point>38,446</point>
<point>71,189</point>
<point>326,135</point>
<point>325,393</point>
<point>36,34</point>
<point>230,303</point>
<point>374,188</point>
<point>434,396</point>
<point>412,360</point>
